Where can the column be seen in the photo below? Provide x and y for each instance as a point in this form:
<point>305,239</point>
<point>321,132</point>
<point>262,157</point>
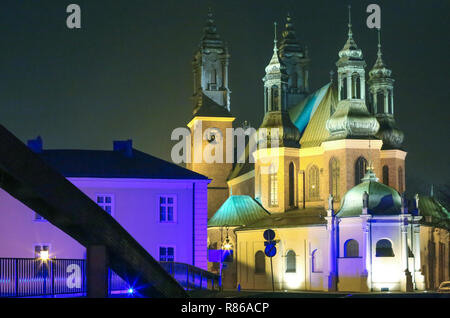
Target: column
<point>332,282</point>
<point>419,279</point>
<point>363,86</point>
<point>366,259</point>
<point>392,101</point>
<point>339,86</point>
<point>375,103</point>
<point>349,86</point>
<point>386,101</point>
<point>97,271</point>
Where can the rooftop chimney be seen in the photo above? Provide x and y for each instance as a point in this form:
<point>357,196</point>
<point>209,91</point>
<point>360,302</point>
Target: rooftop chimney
<point>124,146</point>
<point>35,144</point>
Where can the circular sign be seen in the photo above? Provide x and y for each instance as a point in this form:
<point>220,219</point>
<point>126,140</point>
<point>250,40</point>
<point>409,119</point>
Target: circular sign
<point>270,250</point>
<point>269,235</point>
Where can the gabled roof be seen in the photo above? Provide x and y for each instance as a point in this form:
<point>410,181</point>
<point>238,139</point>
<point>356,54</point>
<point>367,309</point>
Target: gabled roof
<point>114,164</point>
<point>238,210</point>
<point>429,206</point>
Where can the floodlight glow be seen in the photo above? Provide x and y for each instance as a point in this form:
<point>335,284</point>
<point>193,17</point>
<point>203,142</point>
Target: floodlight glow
<point>43,255</point>
<point>130,291</point>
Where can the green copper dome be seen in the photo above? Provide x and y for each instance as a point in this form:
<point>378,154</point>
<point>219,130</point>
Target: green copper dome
<point>383,200</point>
<point>238,210</point>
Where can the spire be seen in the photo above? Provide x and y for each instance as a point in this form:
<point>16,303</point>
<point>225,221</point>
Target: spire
<point>275,64</point>
<point>210,35</point>
<point>350,33</point>
<point>289,44</point>
<point>379,69</point>
<point>350,49</point>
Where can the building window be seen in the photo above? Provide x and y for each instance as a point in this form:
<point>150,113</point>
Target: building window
<point>167,208</point>
<point>386,175</point>
<point>291,184</point>
<point>400,180</point>
<point>105,201</point>
<point>166,254</point>
<point>360,169</point>
<point>290,262</point>
<point>274,91</point>
<point>316,261</point>
<point>313,183</point>
<point>384,249</point>
<point>334,178</point>
<point>260,263</point>
<point>273,187</point>
<point>351,248</point>
<point>41,250</point>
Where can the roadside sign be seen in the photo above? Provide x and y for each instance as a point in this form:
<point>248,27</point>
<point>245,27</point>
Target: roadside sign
<point>269,235</point>
<point>270,250</point>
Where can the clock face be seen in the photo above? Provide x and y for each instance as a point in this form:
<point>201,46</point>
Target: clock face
<point>213,135</point>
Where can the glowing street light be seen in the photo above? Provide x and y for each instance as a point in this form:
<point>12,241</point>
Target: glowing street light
<point>43,255</point>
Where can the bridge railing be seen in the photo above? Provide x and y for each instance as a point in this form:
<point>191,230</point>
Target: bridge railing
<point>26,277</point>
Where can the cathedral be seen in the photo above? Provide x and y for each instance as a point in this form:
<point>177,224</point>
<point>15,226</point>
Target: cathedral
<point>330,183</point>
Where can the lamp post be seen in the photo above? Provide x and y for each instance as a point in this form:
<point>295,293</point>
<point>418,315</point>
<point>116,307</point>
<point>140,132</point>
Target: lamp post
<point>226,247</point>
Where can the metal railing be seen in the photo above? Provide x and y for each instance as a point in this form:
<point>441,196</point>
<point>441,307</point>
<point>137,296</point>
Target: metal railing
<point>25,277</point>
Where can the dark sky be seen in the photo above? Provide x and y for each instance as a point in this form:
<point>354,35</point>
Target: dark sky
<point>127,72</point>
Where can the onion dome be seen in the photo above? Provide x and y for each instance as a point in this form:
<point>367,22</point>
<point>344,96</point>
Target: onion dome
<point>392,136</point>
<point>210,38</point>
<point>382,199</point>
<point>379,69</point>
<point>352,120</point>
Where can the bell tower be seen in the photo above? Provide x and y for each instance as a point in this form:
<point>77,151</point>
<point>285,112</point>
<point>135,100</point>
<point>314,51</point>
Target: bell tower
<point>210,68</point>
<point>211,115</point>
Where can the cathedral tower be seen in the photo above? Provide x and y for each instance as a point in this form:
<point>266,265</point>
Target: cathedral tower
<point>381,91</point>
<point>211,115</point>
<point>351,145</point>
<point>296,60</point>
<point>276,165</point>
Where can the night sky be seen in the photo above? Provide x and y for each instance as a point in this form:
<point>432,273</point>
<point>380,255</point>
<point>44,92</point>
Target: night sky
<point>127,72</point>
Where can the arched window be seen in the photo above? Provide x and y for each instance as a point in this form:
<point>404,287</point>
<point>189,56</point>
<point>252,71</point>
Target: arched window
<point>316,261</point>
<point>294,80</point>
<point>386,175</point>
<point>384,248</point>
<point>274,97</point>
<point>356,86</point>
<point>313,183</point>
<point>266,98</point>
<point>351,248</point>
<point>400,180</point>
<point>290,262</point>
<point>380,102</point>
<point>343,87</point>
<point>291,184</point>
<point>360,169</point>
<point>334,177</point>
<point>260,263</point>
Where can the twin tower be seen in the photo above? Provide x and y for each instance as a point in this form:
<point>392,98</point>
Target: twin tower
<point>286,84</point>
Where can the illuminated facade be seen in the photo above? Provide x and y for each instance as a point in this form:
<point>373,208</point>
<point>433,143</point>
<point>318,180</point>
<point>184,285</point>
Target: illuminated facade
<point>151,199</point>
<point>333,141</point>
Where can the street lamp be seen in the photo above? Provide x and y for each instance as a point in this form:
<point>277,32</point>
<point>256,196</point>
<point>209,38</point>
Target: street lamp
<point>43,255</point>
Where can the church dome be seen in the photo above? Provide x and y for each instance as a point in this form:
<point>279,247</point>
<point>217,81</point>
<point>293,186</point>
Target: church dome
<point>383,200</point>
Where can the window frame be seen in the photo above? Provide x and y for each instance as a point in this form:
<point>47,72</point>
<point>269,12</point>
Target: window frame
<point>174,205</point>
<point>260,252</point>
<point>291,253</point>
<point>346,254</point>
<point>112,204</point>
<point>167,247</point>
<point>391,248</point>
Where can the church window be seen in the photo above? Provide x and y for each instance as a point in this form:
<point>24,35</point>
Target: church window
<point>356,86</point>
<point>386,175</point>
<point>351,248</point>
<point>400,180</point>
<point>290,262</point>
<point>384,248</point>
<point>260,263</point>
<point>166,254</point>
<point>380,102</point>
<point>291,184</point>
<point>334,177</point>
<point>343,88</point>
<point>360,169</point>
<point>313,183</point>
<point>274,91</point>
<point>316,261</point>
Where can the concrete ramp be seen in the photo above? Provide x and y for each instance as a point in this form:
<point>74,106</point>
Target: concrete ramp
<point>25,176</point>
